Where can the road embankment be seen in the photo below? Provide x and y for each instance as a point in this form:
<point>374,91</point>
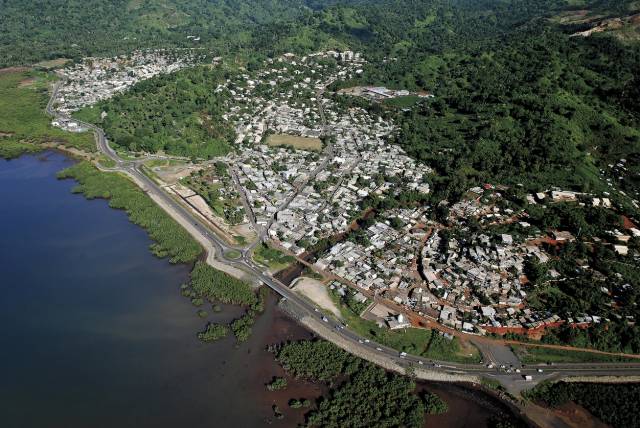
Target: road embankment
<point>601,379</point>
<point>378,358</point>
<point>210,250</point>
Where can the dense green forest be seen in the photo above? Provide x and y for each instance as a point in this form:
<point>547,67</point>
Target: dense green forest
<point>360,394</point>
<point>518,101</point>
<point>213,285</point>
<point>177,113</point>
<point>614,404</point>
<point>218,286</point>
<point>213,332</point>
<point>45,29</point>
<point>537,109</point>
<point>37,30</point>
<point>369,397</point>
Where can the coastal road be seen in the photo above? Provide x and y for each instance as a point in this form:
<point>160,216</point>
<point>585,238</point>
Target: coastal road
<point>325,325</point>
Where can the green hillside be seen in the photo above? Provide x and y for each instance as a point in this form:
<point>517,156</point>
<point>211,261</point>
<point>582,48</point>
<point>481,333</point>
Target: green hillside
<point>517,99</point>
<point>176,113</point>
<point>36,30</point>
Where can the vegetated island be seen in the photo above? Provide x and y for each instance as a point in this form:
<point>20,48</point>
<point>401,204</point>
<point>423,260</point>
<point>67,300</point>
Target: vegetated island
<point>614,404</point>
<point>215,286</point>
<point>360,393</point>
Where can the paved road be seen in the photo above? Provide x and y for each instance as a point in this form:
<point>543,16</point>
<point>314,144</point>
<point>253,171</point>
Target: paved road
<point>305,308</point>
<point>243,197</point>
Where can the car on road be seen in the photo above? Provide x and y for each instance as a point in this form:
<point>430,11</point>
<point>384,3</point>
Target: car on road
<point>325,319</point>
<point>367,341</point>
<point>378,349</point>
<point>540,370</point>
<point>420,362</point>
<point>403,354</point>
<point>360,341</point>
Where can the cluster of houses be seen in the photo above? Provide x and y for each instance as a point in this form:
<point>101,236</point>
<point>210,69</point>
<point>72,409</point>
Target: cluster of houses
<point>68,125</point>
<point>311,195</point>
<point>621,171</point>
<point>268,176</point>
<point>472,281</point>
<point>384,258</point>
<point>477,271</point>
<point>96,79</point>
<point>479,279</point>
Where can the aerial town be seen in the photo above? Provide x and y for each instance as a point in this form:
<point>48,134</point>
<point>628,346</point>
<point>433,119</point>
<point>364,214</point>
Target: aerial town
<point>304,165</point>
<point>320,213</point>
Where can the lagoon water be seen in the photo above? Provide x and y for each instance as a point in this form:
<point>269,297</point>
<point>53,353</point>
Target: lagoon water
<point>93,330</point>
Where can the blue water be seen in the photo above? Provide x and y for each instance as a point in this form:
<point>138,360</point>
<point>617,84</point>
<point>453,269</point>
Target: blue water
<point>93,330</point>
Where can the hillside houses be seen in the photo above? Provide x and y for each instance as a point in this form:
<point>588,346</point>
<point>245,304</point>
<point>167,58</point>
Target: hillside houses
<point>96,79</point>
<point>384,259</point>
<point>467,270</point>
<point>283,99</point>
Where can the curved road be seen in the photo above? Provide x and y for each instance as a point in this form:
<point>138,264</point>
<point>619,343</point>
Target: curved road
<point>327,326</point>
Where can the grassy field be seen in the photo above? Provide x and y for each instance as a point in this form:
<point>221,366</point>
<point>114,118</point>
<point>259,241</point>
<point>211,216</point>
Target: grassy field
<point>272,257</point>
<point>403,102</point>
<point>233,254</point>
<point>52,63</point>
<point>416,341</point>
<point>23,98</point>
<point>170,239</point>
<point>106,162</point>
<point>536,355</point>
<point>10,148</point>
<point>300,143</point>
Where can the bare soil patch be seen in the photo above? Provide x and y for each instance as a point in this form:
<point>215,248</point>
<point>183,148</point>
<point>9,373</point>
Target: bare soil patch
<point>29,81</point>
<point>301,143</point>
<point>52,63</point>
<point>10,70</point>
<point>172,173</point>
<point>245,230</point>
<point>316,292</point>
<point>577,416</point>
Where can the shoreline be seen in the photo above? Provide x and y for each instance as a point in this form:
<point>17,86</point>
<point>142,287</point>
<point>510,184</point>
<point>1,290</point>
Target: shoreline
<point>527,412</point>
<point>425,377</point>
<point>212,255</point>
